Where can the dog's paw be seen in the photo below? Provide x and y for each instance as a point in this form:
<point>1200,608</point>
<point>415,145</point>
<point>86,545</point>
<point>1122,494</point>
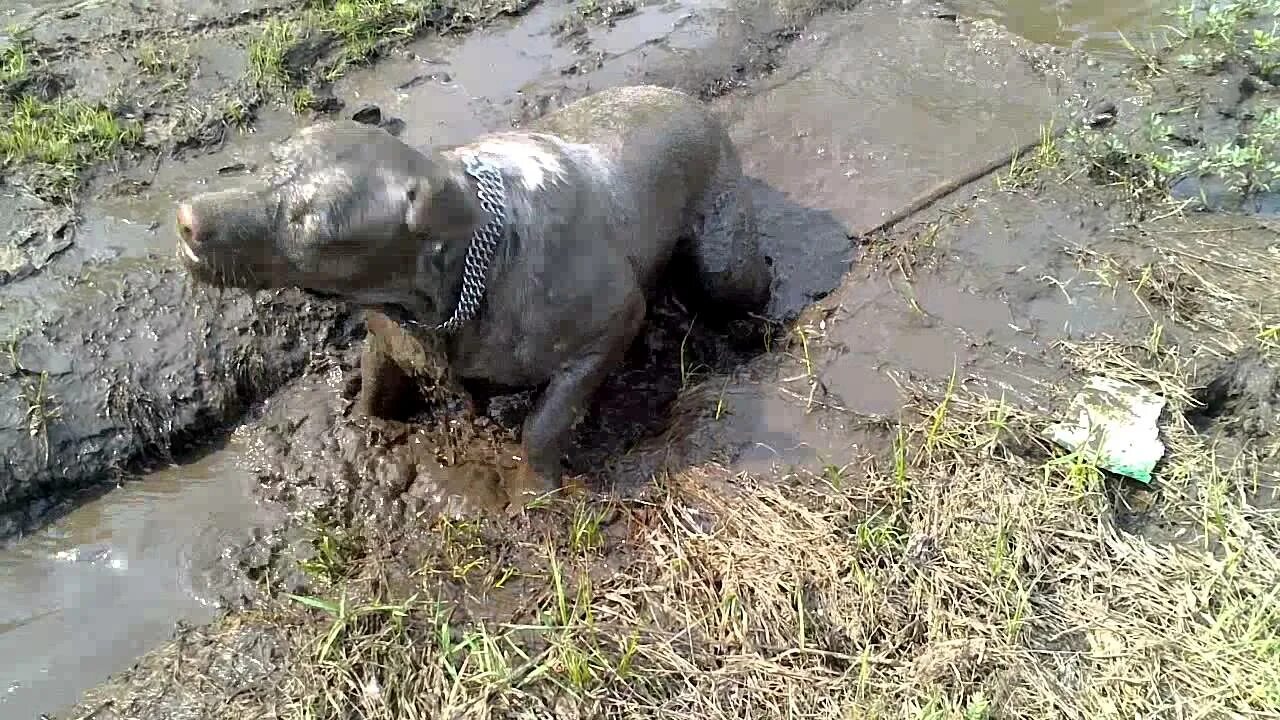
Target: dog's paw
<point>523,485</point>
<point>479,482</point>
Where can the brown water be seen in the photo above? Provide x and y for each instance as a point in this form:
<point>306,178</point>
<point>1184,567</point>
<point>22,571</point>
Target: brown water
<point>107,582</point>
<point>1095,25</point>
<point>853,132</point>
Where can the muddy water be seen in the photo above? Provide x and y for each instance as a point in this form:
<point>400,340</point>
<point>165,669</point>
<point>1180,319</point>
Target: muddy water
<point>104,584</point>
<point>1094,25</point>
<point>837,146</point>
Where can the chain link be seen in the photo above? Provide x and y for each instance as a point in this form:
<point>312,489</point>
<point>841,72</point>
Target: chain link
<point>484,242</point>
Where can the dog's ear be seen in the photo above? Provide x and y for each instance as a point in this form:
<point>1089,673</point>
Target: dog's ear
<point>439,206</point>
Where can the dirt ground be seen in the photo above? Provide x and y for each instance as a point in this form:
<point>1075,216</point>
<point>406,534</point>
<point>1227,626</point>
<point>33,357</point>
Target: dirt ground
<point>849,509</point>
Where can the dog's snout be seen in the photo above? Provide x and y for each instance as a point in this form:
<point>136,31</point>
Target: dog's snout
<point>186,217</point>
<point>187,231</point>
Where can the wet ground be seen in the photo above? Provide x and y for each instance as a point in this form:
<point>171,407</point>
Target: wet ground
<point>840,124</point>
<point>119,572</point>
<point>1097,26</point>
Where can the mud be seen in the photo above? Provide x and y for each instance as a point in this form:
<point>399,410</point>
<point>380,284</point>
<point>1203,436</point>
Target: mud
<point>838,123</point>
<point>1244,392</point>
<point>1095,26</point>
<point>129,362</point>
<point>136,363</point>
<point>690,394</point>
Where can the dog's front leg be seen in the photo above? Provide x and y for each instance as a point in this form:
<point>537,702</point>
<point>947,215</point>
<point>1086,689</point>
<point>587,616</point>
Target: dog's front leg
<point>383,383</point>
<point>563,403</point>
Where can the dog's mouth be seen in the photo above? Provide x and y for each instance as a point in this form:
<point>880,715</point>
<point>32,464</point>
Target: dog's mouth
<point>394,311</point>
<point>398,313</point>
<point>323,294</point>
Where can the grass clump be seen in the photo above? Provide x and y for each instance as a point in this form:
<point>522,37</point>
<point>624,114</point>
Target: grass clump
<point>62,138</point>
<point>362,26</point>
<point>1023,170</point>
<point>58,137</point>
<point>162,59</point>
<point>333,554</point>
<point>344,33</point>
<point>267,52</point>
<point>16,60</point>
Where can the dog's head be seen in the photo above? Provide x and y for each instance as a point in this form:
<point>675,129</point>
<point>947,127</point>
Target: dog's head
<point>348,211</point>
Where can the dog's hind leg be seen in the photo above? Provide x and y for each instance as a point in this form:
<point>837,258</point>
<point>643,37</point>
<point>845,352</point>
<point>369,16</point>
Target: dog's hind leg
<point>732,271</point>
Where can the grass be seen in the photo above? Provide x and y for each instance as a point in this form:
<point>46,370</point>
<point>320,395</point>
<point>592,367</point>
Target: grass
<point>16,60</point>
<point>1222,22</point>
<point>60,138</point>
<point>1205,38</point>
<point>334,553</point>
<point>162,59</point>
<point>267,54</point>
<point>359,30</point>
<point>977,577</point>
<point>1023,172</point>
<point>40,409</point>
<point>361,26</point>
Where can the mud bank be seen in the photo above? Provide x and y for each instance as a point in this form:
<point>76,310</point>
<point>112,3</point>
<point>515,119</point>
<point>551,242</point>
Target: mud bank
<point>135,365</point>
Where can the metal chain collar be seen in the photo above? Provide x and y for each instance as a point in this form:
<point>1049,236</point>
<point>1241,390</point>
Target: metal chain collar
<point>484,242</point>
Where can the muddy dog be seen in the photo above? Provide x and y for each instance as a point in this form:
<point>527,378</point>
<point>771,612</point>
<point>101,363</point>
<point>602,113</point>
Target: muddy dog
<point>529,255</point>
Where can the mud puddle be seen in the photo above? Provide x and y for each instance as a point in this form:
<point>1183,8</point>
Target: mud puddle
<point>1092,25</point>
<point>88,594</point>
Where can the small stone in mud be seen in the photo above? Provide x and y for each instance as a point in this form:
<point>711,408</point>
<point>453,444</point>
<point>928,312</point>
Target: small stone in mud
<point>368,115</point>
<point>1101,115</point>
<point>14,265</point>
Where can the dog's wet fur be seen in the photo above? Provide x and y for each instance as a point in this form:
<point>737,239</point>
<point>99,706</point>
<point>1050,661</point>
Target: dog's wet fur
<point>601,197</point>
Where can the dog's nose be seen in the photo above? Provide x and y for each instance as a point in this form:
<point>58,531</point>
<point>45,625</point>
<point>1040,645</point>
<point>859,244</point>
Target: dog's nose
<point>187,223</point>
<point>187,239</point>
